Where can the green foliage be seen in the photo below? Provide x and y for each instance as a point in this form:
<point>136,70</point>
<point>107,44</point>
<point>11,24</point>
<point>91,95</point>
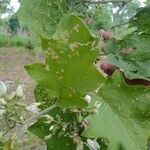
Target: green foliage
<point>68,73</point>
<point>42,130</point>
<point>118,116</point>
<point>12,112</point>
<point>101,18</point>
<point>65,124</point>
<point>121,31</point>
<point>123,116</point>
<point>132,53</point>
<point>15,41</point>
<point>42,16</point>
<point>42,96</point>
<point>14,24</point>
<point>142,20</point>
<point>123,12</point>
<point>3,6</point>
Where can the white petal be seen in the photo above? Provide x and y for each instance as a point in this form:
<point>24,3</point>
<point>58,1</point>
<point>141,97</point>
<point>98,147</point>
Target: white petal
<point>3,88</point>
<point>87,98</point>
<point>19,91</point>
<point>33,108</point>
<point>93,144</point>
<point>51,128</point>
<point>37,104</point>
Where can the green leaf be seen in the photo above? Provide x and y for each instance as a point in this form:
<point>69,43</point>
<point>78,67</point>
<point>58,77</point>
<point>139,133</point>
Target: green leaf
<point>131,69</point>
<point>148,2</point>
<point>132,55</point>
<point>56,142</point>
<point>69,28</point>
<point>142,20</point>
<point>42,16</point>
<point>69,72</point>
<point>43,96</point>
<point>124,115</point>
<point>141,46</point>
<point>43,77</point>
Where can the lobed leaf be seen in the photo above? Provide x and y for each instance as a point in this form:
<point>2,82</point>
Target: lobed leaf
<point>124,115</point>
<point>69,72</point>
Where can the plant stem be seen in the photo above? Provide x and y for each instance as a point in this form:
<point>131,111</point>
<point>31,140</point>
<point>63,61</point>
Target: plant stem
<point>34,118</point>
<point>23,128</point>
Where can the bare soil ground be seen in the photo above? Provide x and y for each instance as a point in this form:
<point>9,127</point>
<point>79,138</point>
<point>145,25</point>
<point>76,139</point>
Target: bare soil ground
<point>12,72</point>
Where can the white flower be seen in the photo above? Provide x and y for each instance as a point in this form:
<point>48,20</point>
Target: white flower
<point>93,144</point>
<point>2,101</point>
<point>33,108</point>
<point>2,111</point>
<point>87,98</point>
<point>19,91</point>
<point>3,88</point>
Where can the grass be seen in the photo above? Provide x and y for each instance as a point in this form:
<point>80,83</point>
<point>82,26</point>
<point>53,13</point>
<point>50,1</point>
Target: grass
<point>7,40</point>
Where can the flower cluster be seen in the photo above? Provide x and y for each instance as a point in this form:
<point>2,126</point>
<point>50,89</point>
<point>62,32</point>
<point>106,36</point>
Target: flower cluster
<point>12,108</point>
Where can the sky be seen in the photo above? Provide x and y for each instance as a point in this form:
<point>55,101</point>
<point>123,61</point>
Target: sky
<point>15,4</point>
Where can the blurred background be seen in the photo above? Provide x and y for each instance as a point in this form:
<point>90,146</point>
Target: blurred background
<point>21,23</point>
